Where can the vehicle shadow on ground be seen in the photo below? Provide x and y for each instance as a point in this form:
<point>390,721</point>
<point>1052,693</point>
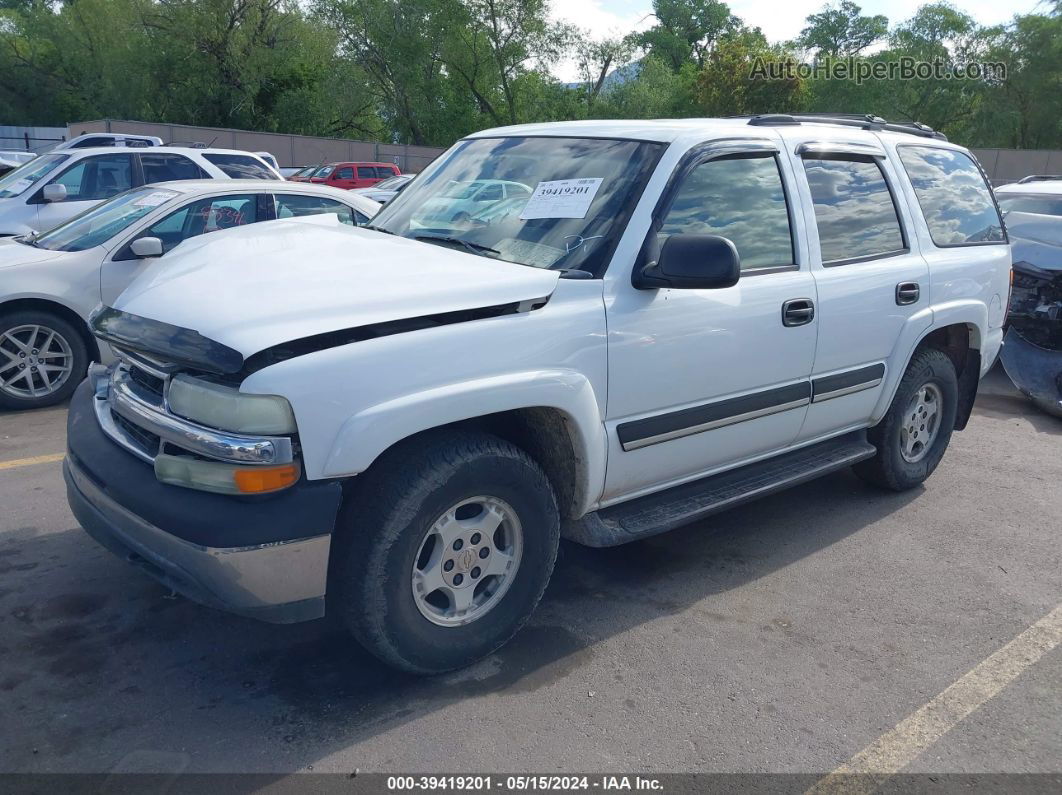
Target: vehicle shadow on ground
<point>80,625</point>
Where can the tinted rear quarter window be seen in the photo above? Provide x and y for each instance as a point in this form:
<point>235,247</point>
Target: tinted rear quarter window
<point>854,210</point>
<point>241,166</point>
<point>953,195</point>
<point>169,167</point>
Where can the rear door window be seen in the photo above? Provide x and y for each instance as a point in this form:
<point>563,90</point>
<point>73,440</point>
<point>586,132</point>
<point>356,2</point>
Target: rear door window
<point>97,177</point>
<point>953,195</point>
<point>366,172</point>
<point>854,209</point>
<point>291,205</point>
<point>241,166</point>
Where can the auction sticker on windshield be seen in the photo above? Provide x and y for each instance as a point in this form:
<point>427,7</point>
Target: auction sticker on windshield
<point>561,198</point>
<point>153,199</point>
<point>21,184</point>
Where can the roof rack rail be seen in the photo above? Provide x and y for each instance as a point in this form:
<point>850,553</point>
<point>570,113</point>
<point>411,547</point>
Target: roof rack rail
<point>1040,178</point>
<point>865,121</point>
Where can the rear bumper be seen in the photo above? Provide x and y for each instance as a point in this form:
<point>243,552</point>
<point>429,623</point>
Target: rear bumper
<point>261,557</point>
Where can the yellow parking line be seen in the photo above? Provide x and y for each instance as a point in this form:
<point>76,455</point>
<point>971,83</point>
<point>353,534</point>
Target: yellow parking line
<point>893,751</point>
<point>28,462</point>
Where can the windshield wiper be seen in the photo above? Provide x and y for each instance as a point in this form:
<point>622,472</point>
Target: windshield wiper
<point>471,248</point>
<point>378,229</point>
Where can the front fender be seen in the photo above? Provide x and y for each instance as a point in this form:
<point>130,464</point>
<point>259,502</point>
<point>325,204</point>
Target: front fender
<point>367,434</point>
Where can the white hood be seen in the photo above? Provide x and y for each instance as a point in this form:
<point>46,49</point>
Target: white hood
<point>264,284</point>
<point>14,253</point>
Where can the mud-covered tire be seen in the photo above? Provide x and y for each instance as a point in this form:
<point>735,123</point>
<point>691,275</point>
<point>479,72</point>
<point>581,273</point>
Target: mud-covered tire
<point>889,468</point>
<point>381,534</point>
<point>65,344</point>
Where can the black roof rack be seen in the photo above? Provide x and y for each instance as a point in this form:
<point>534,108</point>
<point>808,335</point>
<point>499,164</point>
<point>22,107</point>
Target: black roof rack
<point>1040,178</point>
<point>863,121</point>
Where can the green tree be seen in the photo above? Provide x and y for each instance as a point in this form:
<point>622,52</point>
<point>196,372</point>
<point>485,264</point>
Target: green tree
<point>687,30</point>
<point>842,30</point>
<point>725,86</point>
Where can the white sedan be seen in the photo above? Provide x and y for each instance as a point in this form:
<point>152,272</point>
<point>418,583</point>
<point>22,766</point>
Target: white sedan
<point>49,284</point>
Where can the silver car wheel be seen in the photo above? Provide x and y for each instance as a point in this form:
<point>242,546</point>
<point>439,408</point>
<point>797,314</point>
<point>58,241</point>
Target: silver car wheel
<point>921,422</point>
<point>35,361</point>
<point>467,561</point>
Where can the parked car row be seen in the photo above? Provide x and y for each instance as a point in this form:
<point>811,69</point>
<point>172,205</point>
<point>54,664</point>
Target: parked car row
<point>50,282</point>
<point>599,330</point>
<point>57,185</point>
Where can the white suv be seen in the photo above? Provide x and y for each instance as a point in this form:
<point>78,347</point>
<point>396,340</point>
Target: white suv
<point>56,186</point>
<point>678,317</point>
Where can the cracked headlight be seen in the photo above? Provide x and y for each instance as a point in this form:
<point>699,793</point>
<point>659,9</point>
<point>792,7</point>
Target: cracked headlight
<point>229,409</point>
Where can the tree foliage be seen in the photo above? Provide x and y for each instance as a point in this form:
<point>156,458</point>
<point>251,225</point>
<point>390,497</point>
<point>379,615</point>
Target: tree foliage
<point>431,71</point>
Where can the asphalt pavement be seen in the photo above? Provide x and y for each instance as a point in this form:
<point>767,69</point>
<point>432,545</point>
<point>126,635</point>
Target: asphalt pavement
<point>789,635</point>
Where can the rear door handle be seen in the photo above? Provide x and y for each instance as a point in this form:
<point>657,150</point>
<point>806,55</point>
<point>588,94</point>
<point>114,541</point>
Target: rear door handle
<point>798,312</point>
<point>907,293</point>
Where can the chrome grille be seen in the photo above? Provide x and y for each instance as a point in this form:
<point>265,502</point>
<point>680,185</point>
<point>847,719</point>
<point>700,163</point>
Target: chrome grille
<point>149,381</point>
<point>131,409</point>
<point>145,440</point>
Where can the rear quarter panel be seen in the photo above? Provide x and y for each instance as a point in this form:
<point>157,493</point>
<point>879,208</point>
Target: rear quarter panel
<point>968,284</point>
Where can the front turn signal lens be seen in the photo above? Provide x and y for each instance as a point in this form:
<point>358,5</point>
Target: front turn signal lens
<point>260,480</point>
<point>222,478</point>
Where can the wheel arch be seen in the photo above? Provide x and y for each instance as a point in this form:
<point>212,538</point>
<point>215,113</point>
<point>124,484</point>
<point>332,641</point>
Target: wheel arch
<point>59,309</point>
<point>961,342</point>
<point>554,417</point>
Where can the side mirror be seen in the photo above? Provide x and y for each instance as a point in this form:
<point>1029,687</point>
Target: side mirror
<point>692,262</point>
<point>146,247</point>
<point>55,192</point>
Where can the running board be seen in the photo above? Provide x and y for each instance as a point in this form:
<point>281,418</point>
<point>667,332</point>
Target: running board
<point>680,505</point>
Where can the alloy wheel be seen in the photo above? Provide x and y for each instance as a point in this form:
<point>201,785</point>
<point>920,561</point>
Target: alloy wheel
<point>35,361</point>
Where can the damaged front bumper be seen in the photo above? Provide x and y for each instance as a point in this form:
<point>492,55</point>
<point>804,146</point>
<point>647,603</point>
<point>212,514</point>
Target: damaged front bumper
<point>264,557</point>
<point>1035,371</point>
<point>1032,350</point>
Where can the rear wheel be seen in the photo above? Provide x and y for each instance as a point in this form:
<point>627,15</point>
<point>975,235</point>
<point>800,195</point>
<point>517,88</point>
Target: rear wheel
<point>444,550</point>
<point>915,432</point>
<point>42,359</point>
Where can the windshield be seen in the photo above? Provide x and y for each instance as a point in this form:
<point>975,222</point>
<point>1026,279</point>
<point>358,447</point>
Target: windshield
<point>305,172</point>
<point>20,179</point>
<point>1030,203</point>
<point>98,225</point>
<point>390,184</point>
<point>543,202</point>
<point>324,171</point>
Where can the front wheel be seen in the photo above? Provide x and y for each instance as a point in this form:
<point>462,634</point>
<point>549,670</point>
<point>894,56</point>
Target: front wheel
<point>912,437</point>
<point>444,550</point>
<point>42,359</point>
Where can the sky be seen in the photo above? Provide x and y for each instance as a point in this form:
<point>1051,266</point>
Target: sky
<point>779,21</point>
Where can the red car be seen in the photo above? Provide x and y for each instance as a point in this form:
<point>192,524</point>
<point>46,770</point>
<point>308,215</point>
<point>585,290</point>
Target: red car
<point>354,175</point>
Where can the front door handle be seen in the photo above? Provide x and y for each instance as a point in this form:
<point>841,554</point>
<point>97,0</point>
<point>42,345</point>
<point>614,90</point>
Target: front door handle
<point>798,312</point>
<point>907,293</point>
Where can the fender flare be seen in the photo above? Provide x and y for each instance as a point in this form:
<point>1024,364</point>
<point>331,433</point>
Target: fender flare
<point>365,435</point>
<point>973,315</point>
